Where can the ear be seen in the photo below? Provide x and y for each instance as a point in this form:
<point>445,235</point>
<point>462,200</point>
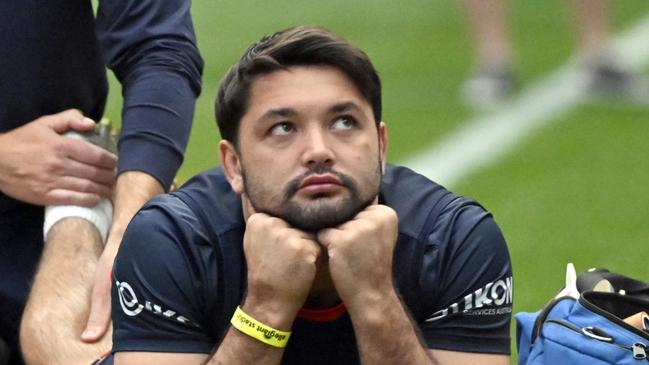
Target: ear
<point>383,145</point>
<point>231,164</point>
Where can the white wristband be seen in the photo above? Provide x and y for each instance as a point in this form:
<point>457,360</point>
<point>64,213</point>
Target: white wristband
<point>101,216</point>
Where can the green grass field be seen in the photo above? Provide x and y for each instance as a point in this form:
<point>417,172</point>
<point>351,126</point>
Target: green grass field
<point>576,191</point>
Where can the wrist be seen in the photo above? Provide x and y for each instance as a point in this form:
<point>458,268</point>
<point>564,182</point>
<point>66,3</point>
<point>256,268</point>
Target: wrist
<point>99,216</point>
<point>371,303</point>
<point>259,330</point>
<point>271,312</point>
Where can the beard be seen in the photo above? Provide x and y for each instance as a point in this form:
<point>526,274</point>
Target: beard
<point>319,212</point>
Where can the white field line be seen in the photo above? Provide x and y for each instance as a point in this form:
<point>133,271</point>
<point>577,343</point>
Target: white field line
<point>482,140</point>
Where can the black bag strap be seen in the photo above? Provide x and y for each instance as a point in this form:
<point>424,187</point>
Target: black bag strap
<point>586,282</point>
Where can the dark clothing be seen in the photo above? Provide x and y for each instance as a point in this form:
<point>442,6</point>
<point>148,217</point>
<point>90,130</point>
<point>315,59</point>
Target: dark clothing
<point>181,272</point>
<point>53,56</point>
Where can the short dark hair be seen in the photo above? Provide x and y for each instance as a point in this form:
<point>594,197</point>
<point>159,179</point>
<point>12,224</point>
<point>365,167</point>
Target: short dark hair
<point>297,46</point>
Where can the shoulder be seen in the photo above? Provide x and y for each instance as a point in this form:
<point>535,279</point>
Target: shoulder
<point>416,199</point>
<point>421,204</point>
<point>442,237</point>
<point>208,199</point>
<point>168,277</point>
<point>182,222</point>
<point>205,206</point>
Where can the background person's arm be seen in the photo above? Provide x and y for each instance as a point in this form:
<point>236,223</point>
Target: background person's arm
<point>60,296</point>
<point>151,47</point>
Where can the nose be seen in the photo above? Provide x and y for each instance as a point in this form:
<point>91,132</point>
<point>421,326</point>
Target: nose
<point>317,149</point>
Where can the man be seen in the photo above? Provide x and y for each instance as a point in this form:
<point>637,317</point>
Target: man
<point>307,247</point>
<point>52,76</point>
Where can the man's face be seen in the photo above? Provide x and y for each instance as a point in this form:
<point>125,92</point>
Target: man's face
<point>309,150</point>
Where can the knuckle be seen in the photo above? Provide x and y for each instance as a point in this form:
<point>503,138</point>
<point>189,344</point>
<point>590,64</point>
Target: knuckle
<point>72,113</point>
<point>274,221</point>
<point>254,219</point>
<point>61,145</point>
<point>390,213</point>
<point>86,186</point>
<point>288,236</point>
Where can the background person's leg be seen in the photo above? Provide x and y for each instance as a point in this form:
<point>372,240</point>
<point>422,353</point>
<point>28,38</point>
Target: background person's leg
<point>493,79</point>
<point>593,26</point>
<point>607,77</point>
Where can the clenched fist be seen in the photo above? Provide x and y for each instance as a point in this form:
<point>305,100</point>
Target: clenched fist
<point>360,253</point>
<point>281,264</point>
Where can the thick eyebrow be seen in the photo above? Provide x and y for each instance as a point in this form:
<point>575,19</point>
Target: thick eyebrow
<point>344,107</point>
<point>290,112</point>
<point>279,113</point>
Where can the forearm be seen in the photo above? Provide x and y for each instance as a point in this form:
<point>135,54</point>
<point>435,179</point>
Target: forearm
<point>154,55</point>
<point>384,332</point>
<point>132,190</point>
<point>59,301</point>
<point>239,348</point>
<point>157,119</point>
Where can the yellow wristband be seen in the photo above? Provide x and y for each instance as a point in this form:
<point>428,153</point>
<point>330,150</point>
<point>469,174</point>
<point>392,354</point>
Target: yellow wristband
<point>255,329</point>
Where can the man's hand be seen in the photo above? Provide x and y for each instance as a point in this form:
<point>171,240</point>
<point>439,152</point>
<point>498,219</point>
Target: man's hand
<point>41,167</point>
<point>282,263</point>
<point>132,190</point>
<point>360,253</point>
<point>99,317</point>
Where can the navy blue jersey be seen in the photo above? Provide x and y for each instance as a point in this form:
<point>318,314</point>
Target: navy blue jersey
<point>181,272</point>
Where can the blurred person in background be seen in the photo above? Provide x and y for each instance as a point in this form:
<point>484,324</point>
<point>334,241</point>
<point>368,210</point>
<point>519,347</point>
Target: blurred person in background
<point>494,78</point>
<point>53,80</point>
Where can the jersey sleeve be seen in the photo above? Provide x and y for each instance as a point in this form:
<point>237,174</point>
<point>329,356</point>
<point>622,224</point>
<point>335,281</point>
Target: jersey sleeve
<point>157,284</point>
<point>473,288</point>
<point>151,47</point>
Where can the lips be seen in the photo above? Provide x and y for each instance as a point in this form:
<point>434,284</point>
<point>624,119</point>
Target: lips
<point>320,184</point>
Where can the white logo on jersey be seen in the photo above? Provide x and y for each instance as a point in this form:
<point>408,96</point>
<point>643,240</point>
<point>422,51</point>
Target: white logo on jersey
<point>494,298</point>
<point>132,307</point>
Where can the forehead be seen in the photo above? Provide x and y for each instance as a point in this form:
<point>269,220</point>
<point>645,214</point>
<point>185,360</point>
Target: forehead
<point>303,88</point>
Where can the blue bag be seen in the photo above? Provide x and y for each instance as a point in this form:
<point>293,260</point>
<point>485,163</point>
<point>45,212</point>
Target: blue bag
<point>589,329</point>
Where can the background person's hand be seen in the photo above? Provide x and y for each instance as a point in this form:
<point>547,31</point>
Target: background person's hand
<point>360,253</point>
<point>99,316</point>
<point>132,190</point>
<point>39,166</point>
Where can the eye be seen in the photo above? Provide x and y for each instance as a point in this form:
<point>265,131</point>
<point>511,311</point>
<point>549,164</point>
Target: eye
<point>344,123</point>
<point>281,129</point>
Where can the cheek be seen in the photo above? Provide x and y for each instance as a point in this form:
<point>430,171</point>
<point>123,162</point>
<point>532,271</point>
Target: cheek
<point>265,177</point>
<point>365,154</point>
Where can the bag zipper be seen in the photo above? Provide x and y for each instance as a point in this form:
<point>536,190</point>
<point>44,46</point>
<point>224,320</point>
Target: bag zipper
<point>638,349</point>
<point>593,308</point>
